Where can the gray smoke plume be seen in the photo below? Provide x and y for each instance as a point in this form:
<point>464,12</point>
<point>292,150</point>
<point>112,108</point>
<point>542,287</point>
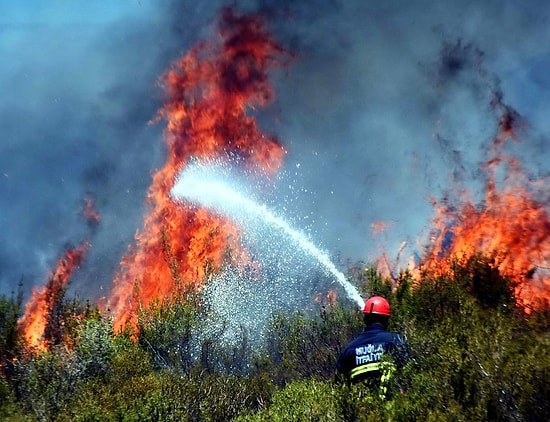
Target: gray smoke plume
<point>384,105</point>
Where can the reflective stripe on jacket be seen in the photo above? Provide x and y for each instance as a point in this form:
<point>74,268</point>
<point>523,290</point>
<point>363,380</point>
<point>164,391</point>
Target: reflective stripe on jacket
<point>362,358</point>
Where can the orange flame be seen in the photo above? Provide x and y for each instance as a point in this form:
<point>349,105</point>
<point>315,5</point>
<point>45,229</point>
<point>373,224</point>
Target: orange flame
<point>512,226</point>
<point>38,309</point>
<point>209,92</point>
<point>326,299</point>
<point>379,227</point>
<point>90,212</point>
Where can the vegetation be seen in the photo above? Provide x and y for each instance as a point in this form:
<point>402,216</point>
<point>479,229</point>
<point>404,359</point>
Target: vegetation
<point>476,356</point>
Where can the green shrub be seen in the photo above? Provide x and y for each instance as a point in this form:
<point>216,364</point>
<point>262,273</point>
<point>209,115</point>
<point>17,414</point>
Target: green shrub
<point>166,330</point>
<point>10,339</point>
<point>10,410</point>
<point>307,347</point>
<point>475,357</point>
<point>46,381</point>
<point>300,401</point>
<point>474,351</point>
<point>165,395</point>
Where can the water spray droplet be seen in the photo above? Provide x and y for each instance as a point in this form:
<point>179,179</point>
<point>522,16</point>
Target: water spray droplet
<point>211,185</point>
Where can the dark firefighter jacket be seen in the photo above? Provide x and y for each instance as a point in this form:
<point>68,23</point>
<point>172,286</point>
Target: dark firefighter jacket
<point>361,359</point>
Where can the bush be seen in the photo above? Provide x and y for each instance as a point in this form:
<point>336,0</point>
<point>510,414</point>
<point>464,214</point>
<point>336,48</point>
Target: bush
<point>165,395</point>
<point>475,357</point>
<point>300,401</point>
<point>307,348</point>
<point>10,339</point>
<point>473,349</point>
<point>95,348</point>
<point>45,381</point>
<point>166,329</point>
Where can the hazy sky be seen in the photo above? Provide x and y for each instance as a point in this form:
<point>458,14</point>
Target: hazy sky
<point>386,104</point>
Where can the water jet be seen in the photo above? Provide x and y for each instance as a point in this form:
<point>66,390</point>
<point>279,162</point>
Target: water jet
<point>212,185</point>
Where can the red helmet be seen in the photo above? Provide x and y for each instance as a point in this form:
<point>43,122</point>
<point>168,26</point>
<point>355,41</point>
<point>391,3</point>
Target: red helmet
<point>377,305</point>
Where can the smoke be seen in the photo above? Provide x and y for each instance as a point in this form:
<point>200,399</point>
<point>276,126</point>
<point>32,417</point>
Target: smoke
<point>79,88</point>
<point>389,104</point>
<point>385,105</point>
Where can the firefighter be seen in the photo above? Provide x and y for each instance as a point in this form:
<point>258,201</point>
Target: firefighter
<point>363,358</point>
